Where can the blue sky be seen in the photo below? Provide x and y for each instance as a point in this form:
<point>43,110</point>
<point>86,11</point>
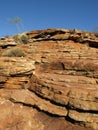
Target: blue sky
<point>43,14</point>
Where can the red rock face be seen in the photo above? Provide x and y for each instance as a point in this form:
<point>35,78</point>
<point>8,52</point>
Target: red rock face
<point>54,86</point>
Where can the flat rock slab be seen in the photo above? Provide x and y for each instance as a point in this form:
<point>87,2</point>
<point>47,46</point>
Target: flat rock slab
<point>15,72</point>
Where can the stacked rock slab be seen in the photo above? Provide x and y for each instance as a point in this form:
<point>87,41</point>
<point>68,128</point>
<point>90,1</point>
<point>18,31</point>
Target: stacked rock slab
<point>57,76</point>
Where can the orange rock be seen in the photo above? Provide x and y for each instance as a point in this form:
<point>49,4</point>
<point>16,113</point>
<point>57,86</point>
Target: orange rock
<point>54,86</point>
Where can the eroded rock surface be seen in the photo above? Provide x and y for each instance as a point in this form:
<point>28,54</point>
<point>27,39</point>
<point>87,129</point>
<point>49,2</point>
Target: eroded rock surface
<point>54,86</point>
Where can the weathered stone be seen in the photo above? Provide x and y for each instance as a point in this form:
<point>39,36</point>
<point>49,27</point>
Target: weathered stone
<point>55,85</point>
<point>15,72</point>
<point>13,66</point>
<point>7,41</point>
<point>16,116</point>
<point>19,116</point>
<point>88,119</point>
<point>26,97</point>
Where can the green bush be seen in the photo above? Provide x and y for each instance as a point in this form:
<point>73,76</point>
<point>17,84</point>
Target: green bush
<point>21,38</point>
<point>14,52</point>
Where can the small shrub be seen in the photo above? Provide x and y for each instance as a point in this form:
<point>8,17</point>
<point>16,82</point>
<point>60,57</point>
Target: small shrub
<point>21,38</point>
<point>96,34</point>
<point>14,52</point>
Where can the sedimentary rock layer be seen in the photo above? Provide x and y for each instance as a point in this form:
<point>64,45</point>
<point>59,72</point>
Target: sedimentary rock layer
<point>54,86</point>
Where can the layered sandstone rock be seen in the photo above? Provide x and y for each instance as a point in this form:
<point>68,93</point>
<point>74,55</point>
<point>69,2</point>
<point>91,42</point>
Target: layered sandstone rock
<point>54,86</point>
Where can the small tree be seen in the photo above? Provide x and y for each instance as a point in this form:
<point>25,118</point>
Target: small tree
<point>96,31</point>
<point>18,22</point>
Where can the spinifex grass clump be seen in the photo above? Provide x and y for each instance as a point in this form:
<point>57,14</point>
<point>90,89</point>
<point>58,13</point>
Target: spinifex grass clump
<point>21,38</point>
<point>14,52</point>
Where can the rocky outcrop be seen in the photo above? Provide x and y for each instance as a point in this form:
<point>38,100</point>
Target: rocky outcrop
<point>54,86</point>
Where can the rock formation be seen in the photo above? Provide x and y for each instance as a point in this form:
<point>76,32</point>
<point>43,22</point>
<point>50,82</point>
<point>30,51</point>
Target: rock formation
<point>54,86</point>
